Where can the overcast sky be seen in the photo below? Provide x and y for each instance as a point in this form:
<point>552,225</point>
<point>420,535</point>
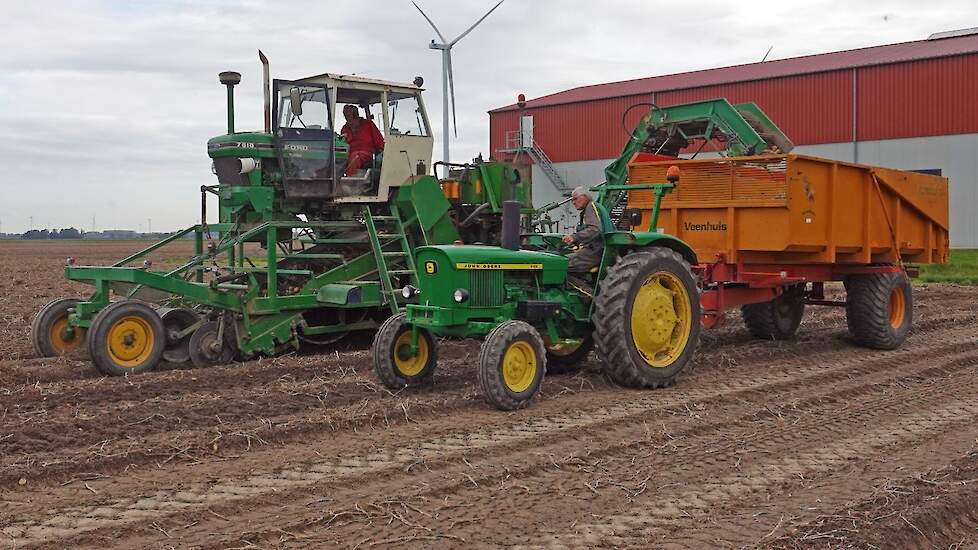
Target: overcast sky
<point>106,106</point>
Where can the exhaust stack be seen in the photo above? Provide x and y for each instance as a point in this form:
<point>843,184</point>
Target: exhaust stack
<point>266,88</point>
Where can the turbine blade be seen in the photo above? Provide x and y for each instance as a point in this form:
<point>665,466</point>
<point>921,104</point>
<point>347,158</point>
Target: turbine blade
<point>461,36</point>
<point>451,87</point>
<point>430,22</point>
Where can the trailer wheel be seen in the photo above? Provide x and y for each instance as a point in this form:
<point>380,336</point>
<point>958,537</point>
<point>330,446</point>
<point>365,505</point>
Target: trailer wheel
<point>392,359</point>
<point>879,309</point>
<point>203,346</point>
<point>647,319</point>
<point>512,362</point>
<point>778,319</point>
<point>50,336</point>
<point>566,359</point>
<point>126,338</point>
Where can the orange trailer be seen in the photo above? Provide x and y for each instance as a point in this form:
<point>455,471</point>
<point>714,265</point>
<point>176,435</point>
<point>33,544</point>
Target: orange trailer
<point>769,231</point>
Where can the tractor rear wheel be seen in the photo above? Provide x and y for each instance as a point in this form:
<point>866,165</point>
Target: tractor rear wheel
<point>778,319</point>
<point>50,334</point>
<point>647,319</point>
<point>126,338</point>
<point>879,309</point>
<point>512,362</point>
<point>204,348</point>
<point>392,359</point>
<point>567,359</point>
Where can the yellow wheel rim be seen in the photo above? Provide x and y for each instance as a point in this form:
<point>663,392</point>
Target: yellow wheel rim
<point>61,340</point>
<point>898,307</point>
<point>131,340</point>
<point>519,366</point>
<point>406,364</point>
<point>662,319</point>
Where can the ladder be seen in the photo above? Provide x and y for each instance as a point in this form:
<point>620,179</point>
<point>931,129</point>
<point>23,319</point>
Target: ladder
<point>392,261</point>
<point>546,165</point>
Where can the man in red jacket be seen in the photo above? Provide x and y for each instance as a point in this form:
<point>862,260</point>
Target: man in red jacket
<point>363,137</point>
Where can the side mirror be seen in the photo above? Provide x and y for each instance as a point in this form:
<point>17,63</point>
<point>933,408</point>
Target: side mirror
<point>295,98</point>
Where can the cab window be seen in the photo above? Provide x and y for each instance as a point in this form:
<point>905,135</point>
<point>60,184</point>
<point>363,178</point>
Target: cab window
<point>406,116</point>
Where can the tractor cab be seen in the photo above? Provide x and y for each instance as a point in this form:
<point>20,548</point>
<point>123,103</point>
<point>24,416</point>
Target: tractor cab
<point>315,156</point>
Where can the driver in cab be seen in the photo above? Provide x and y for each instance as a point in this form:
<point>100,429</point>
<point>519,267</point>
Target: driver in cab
<point>364,138</point>
<point>587,236</point>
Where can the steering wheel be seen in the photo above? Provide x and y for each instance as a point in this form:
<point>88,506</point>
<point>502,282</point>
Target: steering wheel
<point>555,242</point>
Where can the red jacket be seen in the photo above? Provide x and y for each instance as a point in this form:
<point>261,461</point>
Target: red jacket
<point>366,137</point>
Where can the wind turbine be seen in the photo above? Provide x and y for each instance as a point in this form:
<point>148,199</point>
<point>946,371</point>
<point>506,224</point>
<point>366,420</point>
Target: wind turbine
<point>447,78</point>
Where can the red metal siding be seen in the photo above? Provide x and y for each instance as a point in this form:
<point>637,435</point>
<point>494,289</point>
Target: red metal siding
<point>813,108</point>
<point>922,98</point>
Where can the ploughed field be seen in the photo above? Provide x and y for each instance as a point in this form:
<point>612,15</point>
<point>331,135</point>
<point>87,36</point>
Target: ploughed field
<point>809,443</point>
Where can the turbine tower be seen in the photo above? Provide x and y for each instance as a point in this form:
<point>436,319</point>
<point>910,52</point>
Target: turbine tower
<point>447,78</point>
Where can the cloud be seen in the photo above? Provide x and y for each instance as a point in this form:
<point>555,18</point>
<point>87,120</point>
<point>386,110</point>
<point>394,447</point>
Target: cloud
<point>106,106</point>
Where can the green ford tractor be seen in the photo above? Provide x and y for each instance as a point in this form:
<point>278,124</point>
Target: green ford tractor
<point>640,308</point>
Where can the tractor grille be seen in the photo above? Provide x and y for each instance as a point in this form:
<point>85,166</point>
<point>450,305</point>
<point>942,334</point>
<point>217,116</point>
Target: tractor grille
<point>486,288</point>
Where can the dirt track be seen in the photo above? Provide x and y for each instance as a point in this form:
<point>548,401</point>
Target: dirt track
<point>812,443</point>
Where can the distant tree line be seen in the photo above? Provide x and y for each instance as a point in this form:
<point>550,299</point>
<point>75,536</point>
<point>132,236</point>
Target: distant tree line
<point>72,233</point>
<point>42,234</point>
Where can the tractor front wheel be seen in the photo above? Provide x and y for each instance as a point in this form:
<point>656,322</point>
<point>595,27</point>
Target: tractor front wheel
<point>512,362</point>
<point>126,338</point>
<point>50,334</point>
<point>647,319</point>
<point>396,364</point>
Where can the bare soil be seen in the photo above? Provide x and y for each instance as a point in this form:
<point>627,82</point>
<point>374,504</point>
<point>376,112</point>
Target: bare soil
<point>812,443</point>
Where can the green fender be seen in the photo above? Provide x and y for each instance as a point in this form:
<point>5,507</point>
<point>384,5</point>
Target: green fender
<point>643,239</point>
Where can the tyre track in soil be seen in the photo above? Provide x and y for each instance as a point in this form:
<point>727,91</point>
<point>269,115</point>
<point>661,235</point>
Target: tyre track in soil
<point>637,406</point>
<point>125,447</point>
<point>517,483</point>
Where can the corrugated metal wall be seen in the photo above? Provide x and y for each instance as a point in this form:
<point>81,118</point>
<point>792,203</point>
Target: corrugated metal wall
<point>913,99</point>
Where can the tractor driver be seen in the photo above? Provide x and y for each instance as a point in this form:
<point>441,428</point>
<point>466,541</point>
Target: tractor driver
<point>363,137</point>
<point>588,235</point>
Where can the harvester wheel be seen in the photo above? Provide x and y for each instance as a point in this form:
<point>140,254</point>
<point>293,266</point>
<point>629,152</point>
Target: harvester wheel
<point>778,319</point>
<point>566,359</point>
<point>50,334</point>
<point>175,321</point>
<point>879,309</point>
<point>647,319</point>
<point>512,363</point>
<point>204,350</point>
<point>393,361</point>
<point>126,338</point>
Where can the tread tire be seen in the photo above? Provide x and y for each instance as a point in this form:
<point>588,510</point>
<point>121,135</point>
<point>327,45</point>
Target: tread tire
<point>382,355</point>
<point>868,309</point>
<point>41,324</point>
<point>621,360</point>
<point>778,319</point>
<point>490,374</point>
<point>98,334</point>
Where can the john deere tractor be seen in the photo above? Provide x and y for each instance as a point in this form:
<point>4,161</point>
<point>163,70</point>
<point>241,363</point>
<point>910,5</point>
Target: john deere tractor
<point>303,249</point>
<point>639,307</point>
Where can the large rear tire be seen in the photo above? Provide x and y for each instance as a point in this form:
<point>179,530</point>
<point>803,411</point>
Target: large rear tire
<point>126,338</point>
<point>778,319</point>
<point>50,334</point>
<point>512,362</point>
<point>879,309</point>
<point>647,319</point>
<point>392,361</point>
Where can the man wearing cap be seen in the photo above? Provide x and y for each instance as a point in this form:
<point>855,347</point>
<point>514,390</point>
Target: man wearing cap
<point>363,137</point>
<point>588,234</point>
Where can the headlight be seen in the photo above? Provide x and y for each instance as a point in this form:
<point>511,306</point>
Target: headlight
<point>409,292</point>
<point>461,295</point>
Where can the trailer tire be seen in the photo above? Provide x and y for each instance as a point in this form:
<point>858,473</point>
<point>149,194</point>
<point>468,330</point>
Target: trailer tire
<point>777,319</point>
<point>668,319</point>
<point>512,363</point>
<point>398,372</point>
<point>126,338</point>
<point>879,309</point>
<point>48,337</point>
<point>567,361</point>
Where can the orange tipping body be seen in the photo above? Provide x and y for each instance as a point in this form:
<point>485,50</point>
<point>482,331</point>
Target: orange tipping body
<point>795,209</point>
